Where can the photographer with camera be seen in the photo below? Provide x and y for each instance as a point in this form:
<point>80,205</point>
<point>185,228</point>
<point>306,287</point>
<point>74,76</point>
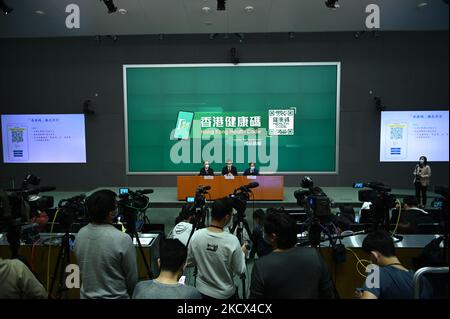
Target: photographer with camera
<point>288,272</point>
<point>106,256</point>
<point>217,254</point>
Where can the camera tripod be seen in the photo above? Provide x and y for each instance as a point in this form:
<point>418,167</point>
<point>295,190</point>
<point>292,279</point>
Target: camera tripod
<point>130,219</point>
<point>62,261</point>
<point>240,223</point>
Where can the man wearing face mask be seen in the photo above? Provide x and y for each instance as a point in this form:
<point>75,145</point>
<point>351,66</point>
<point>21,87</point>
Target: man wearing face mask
<point>105,255</point>
<point>206,170</point>
<point>229,169</point>
<point>422,174</point>
<point>252,170</point>
<point>394,280</point>
<point>217,254</point>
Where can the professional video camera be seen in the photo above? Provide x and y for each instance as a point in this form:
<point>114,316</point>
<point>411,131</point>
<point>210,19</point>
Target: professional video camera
<point>240,197</point>
<point>302,194</point>
<point>380,198</point>
<point>17,206</point>
<point>71,210</point>
<point>198,210</point>
<point>132,204</point>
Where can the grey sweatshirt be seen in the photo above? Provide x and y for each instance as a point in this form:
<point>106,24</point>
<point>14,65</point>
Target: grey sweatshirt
<point>107,261</point>
<point>218,257</point>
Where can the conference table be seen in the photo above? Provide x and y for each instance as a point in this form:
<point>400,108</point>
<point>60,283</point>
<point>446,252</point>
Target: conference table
<point>270,187</point>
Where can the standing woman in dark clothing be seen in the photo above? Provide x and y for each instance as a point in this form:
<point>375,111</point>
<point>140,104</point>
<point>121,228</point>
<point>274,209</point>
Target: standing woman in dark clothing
<point>422,173</point>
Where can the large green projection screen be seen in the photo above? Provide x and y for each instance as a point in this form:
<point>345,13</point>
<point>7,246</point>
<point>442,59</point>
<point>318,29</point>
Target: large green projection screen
<point>283,116</point>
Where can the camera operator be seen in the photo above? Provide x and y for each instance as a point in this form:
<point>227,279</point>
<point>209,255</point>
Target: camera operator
<point>217,255</point>
<point>106,256</point>
<point>411,216</point>
<point>183,225</point>
<point>260,246</point>
<point>288,272</point>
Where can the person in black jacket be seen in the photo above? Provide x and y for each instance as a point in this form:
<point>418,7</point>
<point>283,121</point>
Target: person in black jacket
<point>289,272</point>
<point>252,170</point>
<point>260,246</point>
<point>229,169</point>
<point>206,170</point>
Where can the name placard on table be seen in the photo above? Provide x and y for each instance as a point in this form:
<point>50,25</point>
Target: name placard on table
<point>208,177</point>
<point>228,177</point>
<point>251,176</point>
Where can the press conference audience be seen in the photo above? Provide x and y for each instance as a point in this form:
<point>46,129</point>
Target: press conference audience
<point>18,282</point>
<point>229,169</point>
<point>217,254</point>
<point>105,255</point>
<point>289,272</point>
<point>411,216</point>
<point>171,262</point>
<point>395,280</point>
<point>206,170</point>
<point>251,170</point>
<point>260,247</point>
<point>183,225</point>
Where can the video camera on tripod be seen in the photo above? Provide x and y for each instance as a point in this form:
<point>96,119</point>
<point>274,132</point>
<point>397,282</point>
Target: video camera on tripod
<point>71,210</point>
<point>240,197</point>
<point>17,206</point>
<point>302,194</point>
<point>380,198</point>
<point>131,204</point>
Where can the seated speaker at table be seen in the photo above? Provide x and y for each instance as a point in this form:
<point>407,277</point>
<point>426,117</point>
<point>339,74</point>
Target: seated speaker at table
<point>251,170</point>
<point>229,169</point>
<point>206,170</point>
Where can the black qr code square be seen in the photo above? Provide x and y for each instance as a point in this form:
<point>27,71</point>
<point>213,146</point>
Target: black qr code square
<point>17,136</point>
<point>396,133</point>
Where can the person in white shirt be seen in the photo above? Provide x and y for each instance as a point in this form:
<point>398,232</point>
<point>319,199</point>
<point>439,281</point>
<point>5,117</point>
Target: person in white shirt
<point>183,225</point>
<point>217,254</point>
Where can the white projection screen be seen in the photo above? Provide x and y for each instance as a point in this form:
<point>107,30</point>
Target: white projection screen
<point>407,135</point>
<point>43,138</point>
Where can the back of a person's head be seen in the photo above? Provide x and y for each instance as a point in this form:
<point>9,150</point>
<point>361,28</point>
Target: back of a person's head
<point>381,241</point>
<point>184,214</point>
<point>258,214</point>
<point>220,208</point>
<point>100,204</point>
<point>411,201</point>
<point>172,254</point>
<point>282,225</point>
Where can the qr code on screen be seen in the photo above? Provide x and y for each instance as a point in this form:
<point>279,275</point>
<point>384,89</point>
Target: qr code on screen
<point>17,136</point>
<point>281,122</point>
<point>396,133</point>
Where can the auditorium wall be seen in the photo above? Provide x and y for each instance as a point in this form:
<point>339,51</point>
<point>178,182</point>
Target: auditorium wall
<point>408,70</point>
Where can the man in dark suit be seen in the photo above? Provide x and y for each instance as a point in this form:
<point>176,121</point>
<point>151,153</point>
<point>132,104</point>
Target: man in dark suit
<point>206,170</point>
<point>229,169</point>
<point>251,170</point>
